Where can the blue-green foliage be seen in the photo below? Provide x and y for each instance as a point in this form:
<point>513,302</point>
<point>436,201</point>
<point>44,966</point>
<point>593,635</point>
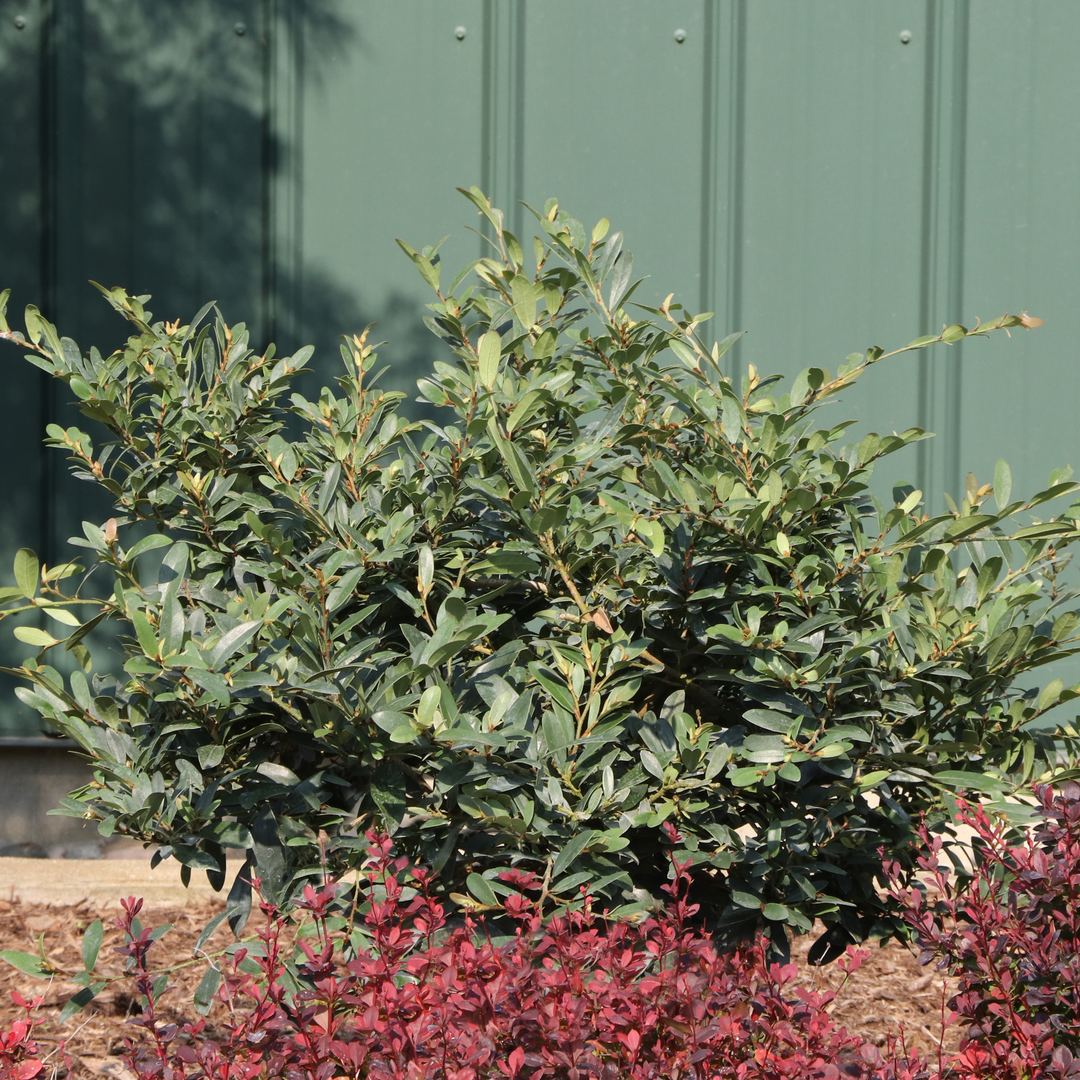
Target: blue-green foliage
<point>613,591</point>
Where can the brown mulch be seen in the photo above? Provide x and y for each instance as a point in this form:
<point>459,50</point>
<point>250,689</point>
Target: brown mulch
<point>94,1037</point>
<point>890,993</point>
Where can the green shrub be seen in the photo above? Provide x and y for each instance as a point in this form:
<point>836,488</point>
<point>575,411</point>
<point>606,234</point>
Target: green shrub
<point>613,591</point>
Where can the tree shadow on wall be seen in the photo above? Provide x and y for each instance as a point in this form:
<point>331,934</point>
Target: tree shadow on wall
<point>153,167</point>
<point>138,148</point>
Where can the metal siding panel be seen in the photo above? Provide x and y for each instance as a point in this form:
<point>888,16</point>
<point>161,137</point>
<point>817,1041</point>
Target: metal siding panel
<point>151,130</point>
<point>723,168</point>
<point>390,125</point>
<point>613,120</point>
<point>160,154</point>
<point>831,214</point>
<point>1022,247</point>
<point>795,168</point>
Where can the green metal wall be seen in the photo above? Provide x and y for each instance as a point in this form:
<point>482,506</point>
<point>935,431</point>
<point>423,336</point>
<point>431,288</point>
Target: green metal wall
<point>797,167</point>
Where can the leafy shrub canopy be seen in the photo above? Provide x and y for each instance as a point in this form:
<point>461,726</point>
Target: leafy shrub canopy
<point>612,591</point>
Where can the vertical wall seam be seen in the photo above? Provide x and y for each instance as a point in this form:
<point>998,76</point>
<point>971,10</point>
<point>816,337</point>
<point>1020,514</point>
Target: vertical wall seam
<point>940,372</point>
<point>709,77</point>
<point>928,231</point>
<point>48,75</point>
<point>722,166</point>
<point>736,180</point>
<point>282,173</point>
<point>516,210</point>
<point>298,58</point>
<point>953,411</point>
<point>502,132</point>
<point>269,193</point>
<point>487,106</point>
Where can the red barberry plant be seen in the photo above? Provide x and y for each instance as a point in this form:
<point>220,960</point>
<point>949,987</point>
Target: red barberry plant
<point>19,1051</point>
<point>579,996</point>
<point>388,987</point>
<point>1010,930</point>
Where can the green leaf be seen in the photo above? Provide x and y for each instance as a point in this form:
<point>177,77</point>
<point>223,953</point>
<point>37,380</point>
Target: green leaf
<point>684,353</point>
<point>80,1000</point>
<point>428,271</point>
<point>147,543</point>
<point>653,534</point>
<point>238,903</point>
<point>517,464</point>
<point>231,641</point>
<point>280,774</point>
<point>269,864</point>
<point>977,781</point>
<point>388,791</point>
<point>213,684</point>
<point>509,562</point>
<point>34,324</point>
<point>61,615</point>
<point>41,639</point>
<point>490,353</point>
<point>652,764</point>
<point>426,568</point>
<point>27,572</point>
<point>573,848</point>
<point>480,887</point>
<point>148,641</point>
<point>203,998</point>
<point>732,417</point>
<point>745,900</point>
<point>210,756</point>
<point>1050,694</point>
<point>208,930</point>
<point>27,964</point>
<point>771,720</point>
<point>91,943</point>
<point>1002,484</point>
<point>872,779</point>
<point>746,777</point>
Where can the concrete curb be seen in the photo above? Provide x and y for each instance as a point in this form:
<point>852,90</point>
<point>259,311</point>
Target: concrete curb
<point>104,882</point>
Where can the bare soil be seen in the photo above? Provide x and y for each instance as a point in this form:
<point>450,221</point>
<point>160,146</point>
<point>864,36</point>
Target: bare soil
<point>889,995</point>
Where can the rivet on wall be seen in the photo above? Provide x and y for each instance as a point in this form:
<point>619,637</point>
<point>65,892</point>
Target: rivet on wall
<point>459,33</point>
<point>905,37</point>
<point>241,29</point>
<point>680,36</point>
<point>20,22</point>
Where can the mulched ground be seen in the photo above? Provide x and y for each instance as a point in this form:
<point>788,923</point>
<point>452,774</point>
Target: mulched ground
<point>889,994</point>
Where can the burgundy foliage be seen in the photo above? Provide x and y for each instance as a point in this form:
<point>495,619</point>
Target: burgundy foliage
<point>1010,931</point>
<point>575,998</point>
<point>583,998</point>
<point>18,1051</point>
